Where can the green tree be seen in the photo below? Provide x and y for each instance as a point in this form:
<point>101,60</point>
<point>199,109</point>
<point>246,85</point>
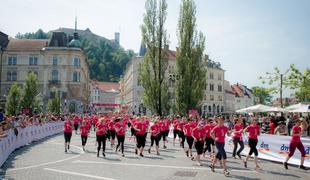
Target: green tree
<point>263,94</point>
<point>53,105</point>
<point>13,100</point>
<point>300,82</point>
<point>155,62</point>
<point>190,60</point>
<point>29,91</point>
<point>277,80</point>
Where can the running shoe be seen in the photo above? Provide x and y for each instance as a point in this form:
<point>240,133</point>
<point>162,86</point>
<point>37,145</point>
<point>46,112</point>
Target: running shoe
<point>141,155</point>
<point>285,165</point>
<point>226,173</point>
<point>103,154</point>
<point>66,150</point>
<point>245,164</point>
<point>302,167</point>
<point>123,155</point>
<point>136,151</point>
<point>239,156</point>
<point>212,168</point>
<point>149,151</point>
<point>165,147</point>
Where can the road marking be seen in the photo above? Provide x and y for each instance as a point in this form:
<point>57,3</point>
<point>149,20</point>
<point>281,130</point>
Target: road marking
<point>154,165</point>
<point>48,163</point>
<point>78,174</point>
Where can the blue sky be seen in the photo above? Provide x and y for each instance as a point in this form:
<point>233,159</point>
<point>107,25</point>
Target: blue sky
<point>248,37</point>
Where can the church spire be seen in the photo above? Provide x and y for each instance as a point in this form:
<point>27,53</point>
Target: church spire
<point>75,27</point>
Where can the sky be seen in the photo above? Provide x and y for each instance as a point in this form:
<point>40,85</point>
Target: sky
<point>248,37</point>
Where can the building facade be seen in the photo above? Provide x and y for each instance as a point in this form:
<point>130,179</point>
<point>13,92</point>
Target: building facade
<point>59,64</point>
<point>243,96</point>
<point>213,103</point>
<point>103,96</point>
<point>229,99</point>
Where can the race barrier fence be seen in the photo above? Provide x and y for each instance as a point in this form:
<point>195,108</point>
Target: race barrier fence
<point>25,136</point>
<point>270,147</point>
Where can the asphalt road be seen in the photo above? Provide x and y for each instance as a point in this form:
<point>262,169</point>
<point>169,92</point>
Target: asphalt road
<point>46,160</point>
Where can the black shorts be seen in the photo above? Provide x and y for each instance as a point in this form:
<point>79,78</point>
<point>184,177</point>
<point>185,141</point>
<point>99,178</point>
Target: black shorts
<point>113,133</point>
<point>175,133</point>
<point>129,124</point>
<point>209,141</point>
<point>67,136</point>
<point>76,126</point>
<point>190,141</point>
<point>166,133</point>
<point>199,147</point>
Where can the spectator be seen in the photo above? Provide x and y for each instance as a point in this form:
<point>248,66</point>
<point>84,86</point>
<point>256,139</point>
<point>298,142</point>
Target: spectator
<point>265,125</point>
<point>272,126</point>
<point>1,115</point>
<point>281,129</point>
<point>304,127</point>
<point>289,125</point>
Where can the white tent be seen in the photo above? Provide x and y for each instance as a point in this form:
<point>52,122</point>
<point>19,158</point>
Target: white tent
<point>298,108</point>
<point>305,108</point>
<point>256,108</point>
<point>276,109</point>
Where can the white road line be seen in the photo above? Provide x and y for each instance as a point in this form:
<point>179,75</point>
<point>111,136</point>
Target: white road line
<point>43,164</point>
<point>49,163</point>
<point>78,174</point>
<point>154,165</point>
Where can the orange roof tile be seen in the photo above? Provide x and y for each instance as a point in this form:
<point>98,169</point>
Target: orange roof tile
<point>106,86</point>
<point>238,91</point>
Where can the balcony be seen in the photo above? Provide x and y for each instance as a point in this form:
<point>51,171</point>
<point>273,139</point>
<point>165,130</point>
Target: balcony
<point>54,82</point>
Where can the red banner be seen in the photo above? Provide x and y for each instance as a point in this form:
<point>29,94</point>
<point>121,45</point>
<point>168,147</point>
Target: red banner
<point>102,104</point>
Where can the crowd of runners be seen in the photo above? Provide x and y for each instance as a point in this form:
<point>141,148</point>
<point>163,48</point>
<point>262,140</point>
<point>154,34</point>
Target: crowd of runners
<point>207,136</point>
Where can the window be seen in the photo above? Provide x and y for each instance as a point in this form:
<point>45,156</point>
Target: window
<point>9,76</point>
<point>209,108</point>
<point>12,60</point>
<point>211,75</point>
<point>33,60</point>
<point>76,61</point>
<point>219,77</point>
<point>171,69</point>
<point>211,87</point>
<point>220,98</point>
<point>55,60</point>
<point>220,89</point>
<point>211,98</point>
<point>76,76</point>
<point>55,75</point>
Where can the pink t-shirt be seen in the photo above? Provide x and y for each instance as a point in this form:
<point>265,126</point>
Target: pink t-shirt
<point>84,130</point>
<point>101,129</point>
<point>238,127</point>
<point>188,129</point>
<point>120,128</point>
<point>68,127</point>
<point>296,130</point>
<point>220,133</point>
<point>253,131</point>
<point>199,134</point>
<point>155,130</point>
<point>208,128</point>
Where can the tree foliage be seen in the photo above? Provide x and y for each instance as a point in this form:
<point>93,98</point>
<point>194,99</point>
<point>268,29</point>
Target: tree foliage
<point>13,100</point>
<point>29,91</point>
<point>263,94</point>
<point>190,63</point>
<point>300,82</point>
<point>54,105</point>
<point>152,71</point>
<point>39,34</point>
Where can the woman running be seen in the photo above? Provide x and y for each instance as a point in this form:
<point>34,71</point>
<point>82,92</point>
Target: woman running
<point>101,132</point>
<point>120,128</point>
<point>237,138</point>
<point>198,135</point>
<point>140,129</point>
<point>188,130</point>
<point>112,131</point>
<point>218,133</point>
<point>296,143</point>
<point>181,132</point>
<point>68,133</point>
<point>84,130</point>
<point>209,141</point>
<point>155,136</point>
<point>254,131</point>
<point>76,121</point>
<point>175,130</point>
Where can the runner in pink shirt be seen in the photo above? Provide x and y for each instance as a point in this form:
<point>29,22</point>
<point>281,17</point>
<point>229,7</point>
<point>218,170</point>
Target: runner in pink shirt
<point>218,133</point>
<point>188,129</point>
<point>209,141</point>
<point>254,131</point>
<point>101,132</point>
<point>296,143</point>
<point>237,138</point>
<point>155,136</point>
<point>199,135</point>
<point>68,133</point>
<point>120,128</point>
<point>84,130</point>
